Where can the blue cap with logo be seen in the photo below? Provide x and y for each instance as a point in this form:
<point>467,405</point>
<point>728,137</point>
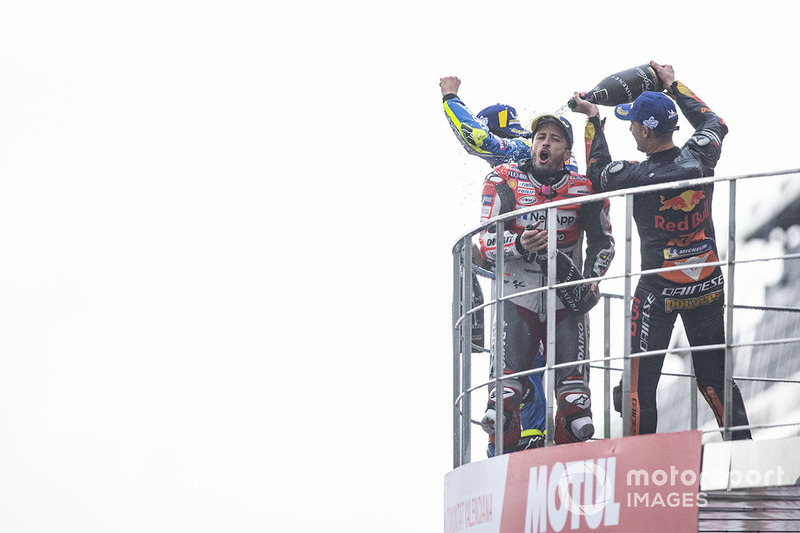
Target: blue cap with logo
<point>655,110</point>
<point>502,120</point>
<point>541,120</point>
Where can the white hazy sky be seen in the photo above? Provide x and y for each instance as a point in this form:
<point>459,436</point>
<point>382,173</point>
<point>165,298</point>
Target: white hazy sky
<point>226,228</point>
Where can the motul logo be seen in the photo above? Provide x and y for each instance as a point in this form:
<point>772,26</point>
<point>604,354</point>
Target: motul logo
<point>572,496</point>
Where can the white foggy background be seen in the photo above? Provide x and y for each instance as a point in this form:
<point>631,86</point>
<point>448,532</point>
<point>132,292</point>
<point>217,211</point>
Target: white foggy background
<point>226,229</point>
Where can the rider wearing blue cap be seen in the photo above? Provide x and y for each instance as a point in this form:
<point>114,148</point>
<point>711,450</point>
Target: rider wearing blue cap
<point>675,228</point>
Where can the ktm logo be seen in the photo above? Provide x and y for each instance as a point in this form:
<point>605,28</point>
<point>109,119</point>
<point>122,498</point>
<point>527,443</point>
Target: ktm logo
<point>686,201</point>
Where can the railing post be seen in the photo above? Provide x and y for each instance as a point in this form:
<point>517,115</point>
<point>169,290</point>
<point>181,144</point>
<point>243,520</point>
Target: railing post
<point>499,336</point>
<point>550,349</point>
<point>692,398</point>
<point>731,258</point>
<point>457,307</point>
<point>466,352</point>
<point>607,367</point>
<point>626,336</point>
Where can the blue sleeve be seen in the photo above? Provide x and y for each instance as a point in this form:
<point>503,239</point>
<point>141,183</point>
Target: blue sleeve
<point>476,138</point>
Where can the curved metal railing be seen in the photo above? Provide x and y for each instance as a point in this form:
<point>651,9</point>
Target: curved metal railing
<point>463,347</point>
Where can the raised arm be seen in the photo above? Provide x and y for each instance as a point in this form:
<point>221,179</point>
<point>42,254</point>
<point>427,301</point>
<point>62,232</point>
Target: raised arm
<point>598,155</point>
<point>710,129</point>
<point>474,135</point>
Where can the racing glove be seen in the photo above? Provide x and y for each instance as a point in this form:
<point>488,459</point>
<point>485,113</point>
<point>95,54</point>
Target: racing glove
<point>579,299</point>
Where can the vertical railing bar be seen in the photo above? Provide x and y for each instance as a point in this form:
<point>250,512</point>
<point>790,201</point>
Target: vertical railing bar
<point>550,350</point>
<point>607,367</point>
<point>731,258</point>
<point>457,346</point>
<point>626,337</point>
<point>693,392</point>
<point>498,338</point>
<point>466,354</point>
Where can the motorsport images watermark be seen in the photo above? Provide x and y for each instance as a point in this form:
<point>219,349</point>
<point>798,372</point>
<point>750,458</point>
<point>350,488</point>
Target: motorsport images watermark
<point>566,495</point>
<point>684,481</point>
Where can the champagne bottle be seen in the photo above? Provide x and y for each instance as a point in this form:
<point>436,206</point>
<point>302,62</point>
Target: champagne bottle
<point>578,299</point>
<point>622,87</point>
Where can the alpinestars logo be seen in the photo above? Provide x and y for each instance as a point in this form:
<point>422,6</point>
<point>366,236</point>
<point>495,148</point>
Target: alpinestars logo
<point>580,401</point>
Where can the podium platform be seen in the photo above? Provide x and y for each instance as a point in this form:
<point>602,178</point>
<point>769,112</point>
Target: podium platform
<point>664,482</point>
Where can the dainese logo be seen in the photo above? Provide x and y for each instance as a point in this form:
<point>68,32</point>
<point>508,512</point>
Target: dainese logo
<point>686,201</point>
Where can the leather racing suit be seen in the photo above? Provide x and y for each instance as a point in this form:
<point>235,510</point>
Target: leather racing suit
<point>476,138</point>
<point>514,186</point>
<point>675,228</point>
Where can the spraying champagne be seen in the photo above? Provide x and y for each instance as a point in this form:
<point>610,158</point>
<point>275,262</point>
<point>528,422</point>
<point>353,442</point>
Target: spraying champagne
<point>622,87</point>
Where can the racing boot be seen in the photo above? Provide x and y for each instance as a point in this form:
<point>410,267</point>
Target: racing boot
<point>530,439</point>
<point>511,423</point>
<point>574,416</point>
<point>739,413</point>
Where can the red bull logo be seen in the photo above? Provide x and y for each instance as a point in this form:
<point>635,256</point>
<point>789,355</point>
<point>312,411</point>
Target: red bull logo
<point>686,201</point>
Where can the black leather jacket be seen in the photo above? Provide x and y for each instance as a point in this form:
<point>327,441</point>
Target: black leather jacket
<point>675,225</point>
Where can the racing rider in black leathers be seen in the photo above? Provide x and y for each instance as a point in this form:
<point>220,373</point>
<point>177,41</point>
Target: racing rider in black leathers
<point>675,228</point>
<point>513,186</point>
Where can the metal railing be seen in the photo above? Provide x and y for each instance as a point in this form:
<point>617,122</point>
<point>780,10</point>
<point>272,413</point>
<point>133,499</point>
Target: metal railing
<point>463,347</point>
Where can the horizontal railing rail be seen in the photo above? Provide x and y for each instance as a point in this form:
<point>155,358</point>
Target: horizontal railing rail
<point>463,311</point>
